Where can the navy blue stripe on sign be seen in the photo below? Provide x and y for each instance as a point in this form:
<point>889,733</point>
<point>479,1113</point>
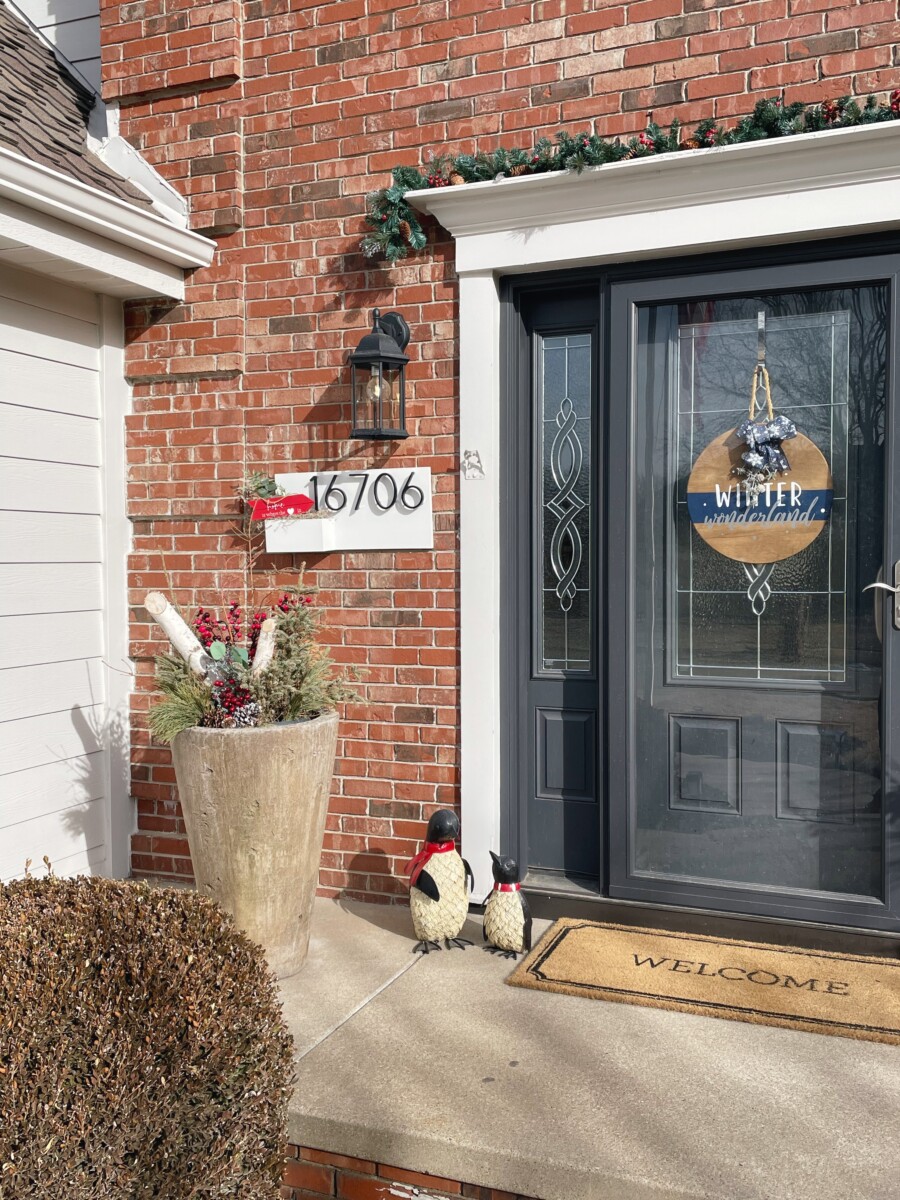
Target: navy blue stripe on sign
<point>729,506</point>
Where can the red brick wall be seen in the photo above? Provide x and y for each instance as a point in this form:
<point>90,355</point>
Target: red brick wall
<point>317,1173</point>
<point>274,118</point>
<point>154,46</point>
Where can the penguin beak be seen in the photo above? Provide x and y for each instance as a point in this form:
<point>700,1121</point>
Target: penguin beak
<point>495,857</point>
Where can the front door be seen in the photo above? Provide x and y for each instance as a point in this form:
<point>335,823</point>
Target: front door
<point>701,691</point>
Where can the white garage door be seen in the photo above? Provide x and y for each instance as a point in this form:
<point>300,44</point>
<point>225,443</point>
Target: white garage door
<point>55,725</point>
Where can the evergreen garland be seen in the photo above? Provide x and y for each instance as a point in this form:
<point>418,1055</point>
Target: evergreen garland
<point>394,226</point>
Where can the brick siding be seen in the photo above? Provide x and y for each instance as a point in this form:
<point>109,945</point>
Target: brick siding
<point>274,124</point>
<point>317,1173</point>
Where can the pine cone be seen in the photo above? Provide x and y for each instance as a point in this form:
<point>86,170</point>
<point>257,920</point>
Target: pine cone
<point>246,716</point>
<point>690,143</point>
<point>521,169</point>
<point>456,179</point>
<point>405,230</point>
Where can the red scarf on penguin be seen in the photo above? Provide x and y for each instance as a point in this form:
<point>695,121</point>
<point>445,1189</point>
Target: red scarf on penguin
<point>416,865</point>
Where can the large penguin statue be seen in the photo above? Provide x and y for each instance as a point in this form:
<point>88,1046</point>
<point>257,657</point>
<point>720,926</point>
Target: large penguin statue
<point>439,885</point>
<point>507,917</point>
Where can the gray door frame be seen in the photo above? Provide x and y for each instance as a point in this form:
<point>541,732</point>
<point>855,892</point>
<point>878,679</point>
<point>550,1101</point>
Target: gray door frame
<point>623,883</point>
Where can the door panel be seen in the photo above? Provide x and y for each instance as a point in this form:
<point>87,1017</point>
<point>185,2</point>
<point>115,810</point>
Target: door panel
<point>556,507</point>
<point>748,700</point>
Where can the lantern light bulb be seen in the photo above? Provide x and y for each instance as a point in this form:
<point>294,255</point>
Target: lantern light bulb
<point>377,389</point>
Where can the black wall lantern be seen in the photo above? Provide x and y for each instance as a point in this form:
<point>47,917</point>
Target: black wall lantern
<point>378,380</point>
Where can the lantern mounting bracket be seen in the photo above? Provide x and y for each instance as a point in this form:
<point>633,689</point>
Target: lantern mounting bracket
<point>394,324</point>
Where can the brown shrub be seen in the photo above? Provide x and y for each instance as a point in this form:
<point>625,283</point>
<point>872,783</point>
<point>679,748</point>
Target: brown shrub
<point>142,1048</point>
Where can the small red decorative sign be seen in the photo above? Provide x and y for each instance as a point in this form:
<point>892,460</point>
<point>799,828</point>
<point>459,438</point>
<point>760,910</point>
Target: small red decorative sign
<point>281,506</point>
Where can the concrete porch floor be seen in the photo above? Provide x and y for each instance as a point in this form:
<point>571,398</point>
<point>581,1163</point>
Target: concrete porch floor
<point>435,1065</point>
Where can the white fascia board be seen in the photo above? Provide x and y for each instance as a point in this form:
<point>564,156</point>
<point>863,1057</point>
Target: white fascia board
<point>35,241</point>
<point>824,184</point>
<point>40,188</point>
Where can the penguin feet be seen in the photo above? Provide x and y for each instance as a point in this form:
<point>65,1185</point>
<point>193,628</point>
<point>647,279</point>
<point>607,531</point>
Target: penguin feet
<point>425,946</point>
<point>502,953</point>
<point>457,941</point>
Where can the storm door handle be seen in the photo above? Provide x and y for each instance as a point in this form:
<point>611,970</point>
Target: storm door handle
<point>894,591</point>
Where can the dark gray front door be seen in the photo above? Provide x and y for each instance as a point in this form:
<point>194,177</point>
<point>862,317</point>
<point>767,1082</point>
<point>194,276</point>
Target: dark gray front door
<point>753,719</point>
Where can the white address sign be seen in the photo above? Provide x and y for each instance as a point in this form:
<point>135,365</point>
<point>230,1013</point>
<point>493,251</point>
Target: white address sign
<point>386,509</point>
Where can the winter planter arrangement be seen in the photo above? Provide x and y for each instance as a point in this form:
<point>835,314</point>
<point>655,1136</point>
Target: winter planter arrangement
<point>249,715</point>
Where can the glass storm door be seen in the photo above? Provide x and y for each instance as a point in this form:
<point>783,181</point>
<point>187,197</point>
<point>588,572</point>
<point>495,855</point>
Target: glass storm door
<point>753,760</point>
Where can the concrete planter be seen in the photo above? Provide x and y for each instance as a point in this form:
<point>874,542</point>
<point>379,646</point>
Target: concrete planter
<point>254,803</point>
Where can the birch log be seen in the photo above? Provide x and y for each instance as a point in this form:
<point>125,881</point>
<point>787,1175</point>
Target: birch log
<point>265,647</point>
<point>184,641</point>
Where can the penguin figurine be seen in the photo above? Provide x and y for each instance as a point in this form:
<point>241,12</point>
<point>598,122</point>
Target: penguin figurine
<point>439,885</point>
<point>507,917</point>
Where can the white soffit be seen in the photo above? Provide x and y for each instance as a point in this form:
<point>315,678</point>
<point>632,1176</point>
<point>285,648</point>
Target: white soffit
<point>59,226</point>
<point>841,181</point>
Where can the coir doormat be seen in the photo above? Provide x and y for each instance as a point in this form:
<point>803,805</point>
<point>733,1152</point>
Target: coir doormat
<point>842,994</point>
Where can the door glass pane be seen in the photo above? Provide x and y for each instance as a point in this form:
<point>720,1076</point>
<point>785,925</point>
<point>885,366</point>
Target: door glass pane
<point>564,502</point>
<point>799,631</point>
<point>756,657</point>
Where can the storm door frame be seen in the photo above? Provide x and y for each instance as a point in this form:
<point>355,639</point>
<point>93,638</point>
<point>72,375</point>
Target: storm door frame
<point>811,264</point>
<point>623,302</point>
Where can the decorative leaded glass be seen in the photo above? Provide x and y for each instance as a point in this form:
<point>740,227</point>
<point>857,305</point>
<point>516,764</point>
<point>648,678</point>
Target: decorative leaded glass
<point>785,620</point>
<point>564,502</point>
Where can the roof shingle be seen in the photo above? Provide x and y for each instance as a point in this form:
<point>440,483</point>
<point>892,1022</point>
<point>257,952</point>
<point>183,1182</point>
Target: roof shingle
<point>44,111</point>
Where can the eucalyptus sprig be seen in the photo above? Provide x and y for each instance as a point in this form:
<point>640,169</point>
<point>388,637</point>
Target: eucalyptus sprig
<point>394,227</point>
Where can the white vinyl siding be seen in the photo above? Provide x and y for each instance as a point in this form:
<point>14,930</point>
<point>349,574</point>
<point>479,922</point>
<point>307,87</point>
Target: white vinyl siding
<point>54,771</point>
<point>74,27</point>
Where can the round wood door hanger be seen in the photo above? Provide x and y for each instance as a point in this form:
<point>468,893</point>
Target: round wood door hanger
<point>788,514</point>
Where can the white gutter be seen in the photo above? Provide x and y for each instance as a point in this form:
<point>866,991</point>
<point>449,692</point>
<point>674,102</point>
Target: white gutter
<point>43,189</point>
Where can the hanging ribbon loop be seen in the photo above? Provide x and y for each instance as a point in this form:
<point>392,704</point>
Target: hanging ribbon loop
<point>760,372</point>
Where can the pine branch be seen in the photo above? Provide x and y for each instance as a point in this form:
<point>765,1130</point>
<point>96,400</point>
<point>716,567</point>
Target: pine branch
<point>395,230</point>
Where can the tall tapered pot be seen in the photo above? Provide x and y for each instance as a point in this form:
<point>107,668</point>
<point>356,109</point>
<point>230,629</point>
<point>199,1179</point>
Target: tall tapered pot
<point>254,803</point>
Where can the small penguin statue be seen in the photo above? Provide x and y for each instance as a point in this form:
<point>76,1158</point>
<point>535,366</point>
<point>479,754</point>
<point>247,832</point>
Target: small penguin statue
<point>439,885</point>
<point>507,918</point>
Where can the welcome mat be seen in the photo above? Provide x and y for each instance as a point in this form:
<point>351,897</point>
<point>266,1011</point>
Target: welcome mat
<point>843,994</point>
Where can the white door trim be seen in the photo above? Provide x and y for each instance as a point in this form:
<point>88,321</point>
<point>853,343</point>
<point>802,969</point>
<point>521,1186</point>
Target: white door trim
<point>830,184</point>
